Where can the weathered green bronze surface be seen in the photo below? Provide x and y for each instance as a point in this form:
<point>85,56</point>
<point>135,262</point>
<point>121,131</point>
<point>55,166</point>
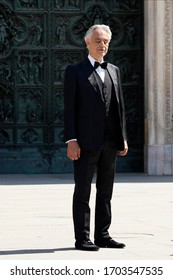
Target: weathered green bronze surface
<point>38,39</point>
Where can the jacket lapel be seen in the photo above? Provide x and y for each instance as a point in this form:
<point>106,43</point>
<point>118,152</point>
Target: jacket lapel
<point>92,77</point>
<point>114,78</point>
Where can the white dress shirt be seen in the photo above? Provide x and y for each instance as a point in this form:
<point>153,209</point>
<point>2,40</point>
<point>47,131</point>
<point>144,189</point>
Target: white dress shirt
<point>99,70</point>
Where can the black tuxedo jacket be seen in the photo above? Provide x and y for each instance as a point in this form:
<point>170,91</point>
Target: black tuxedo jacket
<point>84,109</point>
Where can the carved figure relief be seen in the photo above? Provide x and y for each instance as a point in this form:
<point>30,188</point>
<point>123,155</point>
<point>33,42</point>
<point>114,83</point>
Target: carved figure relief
<point>61,31</point>
<point>6,105</point>
<point>129,67</point>
<point>30,67</point>
<point>65,4</point>
<point>59,108</point>
<point>133,112</point>
<point>27,3</point>
<point>6,73</point>
<point>131,32</point>
<point>30,106</point>
<point>29,136</point>
<point>3,33</point>
<point>35,31</point>
<point>126,5</point>
<point>4,136</point>
<point>61,61</point>
<point>13,30</point>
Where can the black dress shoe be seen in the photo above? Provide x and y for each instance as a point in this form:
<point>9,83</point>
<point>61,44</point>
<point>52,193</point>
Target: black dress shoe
<point>109,243</point>
<point>86,245</point>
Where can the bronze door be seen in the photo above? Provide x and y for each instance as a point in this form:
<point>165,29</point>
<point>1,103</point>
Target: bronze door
<point>38,39</point>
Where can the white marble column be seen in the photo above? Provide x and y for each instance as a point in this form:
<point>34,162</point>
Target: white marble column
<point>158,27</point>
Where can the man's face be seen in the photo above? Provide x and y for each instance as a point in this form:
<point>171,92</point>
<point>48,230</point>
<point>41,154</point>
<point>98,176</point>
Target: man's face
<point>98,44</point>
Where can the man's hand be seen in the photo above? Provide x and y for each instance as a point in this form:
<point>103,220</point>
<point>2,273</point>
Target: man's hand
<point>73,150</point>
<point>124,152</point>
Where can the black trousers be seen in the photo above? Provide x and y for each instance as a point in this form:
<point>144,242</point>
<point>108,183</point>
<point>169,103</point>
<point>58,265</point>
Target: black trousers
<point>103,162</point>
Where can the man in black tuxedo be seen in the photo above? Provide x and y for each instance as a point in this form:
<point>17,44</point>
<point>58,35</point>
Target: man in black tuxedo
<point>95,132</point>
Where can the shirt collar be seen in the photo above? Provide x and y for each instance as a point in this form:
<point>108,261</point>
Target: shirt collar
<point>92,60</point>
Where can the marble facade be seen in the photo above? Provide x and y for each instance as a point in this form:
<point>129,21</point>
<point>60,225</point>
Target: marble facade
<point>158,46</point>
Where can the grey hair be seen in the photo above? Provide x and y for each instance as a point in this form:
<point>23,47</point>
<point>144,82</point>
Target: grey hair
<point>90,31</point>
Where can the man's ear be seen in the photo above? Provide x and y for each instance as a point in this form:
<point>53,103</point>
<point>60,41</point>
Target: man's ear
<point>87,41</point>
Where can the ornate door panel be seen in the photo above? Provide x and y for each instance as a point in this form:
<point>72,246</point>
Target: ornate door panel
<point>38,39</point>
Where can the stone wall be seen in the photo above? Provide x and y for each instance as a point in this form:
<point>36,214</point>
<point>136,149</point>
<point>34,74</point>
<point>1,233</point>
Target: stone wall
<point>158,26</point>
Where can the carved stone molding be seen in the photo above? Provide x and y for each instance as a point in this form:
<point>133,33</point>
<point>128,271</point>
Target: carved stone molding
<point>168,76</point>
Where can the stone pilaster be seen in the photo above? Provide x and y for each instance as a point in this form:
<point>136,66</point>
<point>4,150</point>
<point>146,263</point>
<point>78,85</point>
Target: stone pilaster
<point>158,87</point>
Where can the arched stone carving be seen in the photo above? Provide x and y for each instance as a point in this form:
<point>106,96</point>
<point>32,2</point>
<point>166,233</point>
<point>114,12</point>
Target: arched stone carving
<point>95,14</point>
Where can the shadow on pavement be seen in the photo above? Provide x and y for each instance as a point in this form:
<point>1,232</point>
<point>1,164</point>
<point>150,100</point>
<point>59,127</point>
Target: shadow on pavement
<point>34,251</point>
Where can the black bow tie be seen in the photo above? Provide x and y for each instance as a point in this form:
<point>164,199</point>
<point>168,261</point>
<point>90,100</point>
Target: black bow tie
<point>102,65</point>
